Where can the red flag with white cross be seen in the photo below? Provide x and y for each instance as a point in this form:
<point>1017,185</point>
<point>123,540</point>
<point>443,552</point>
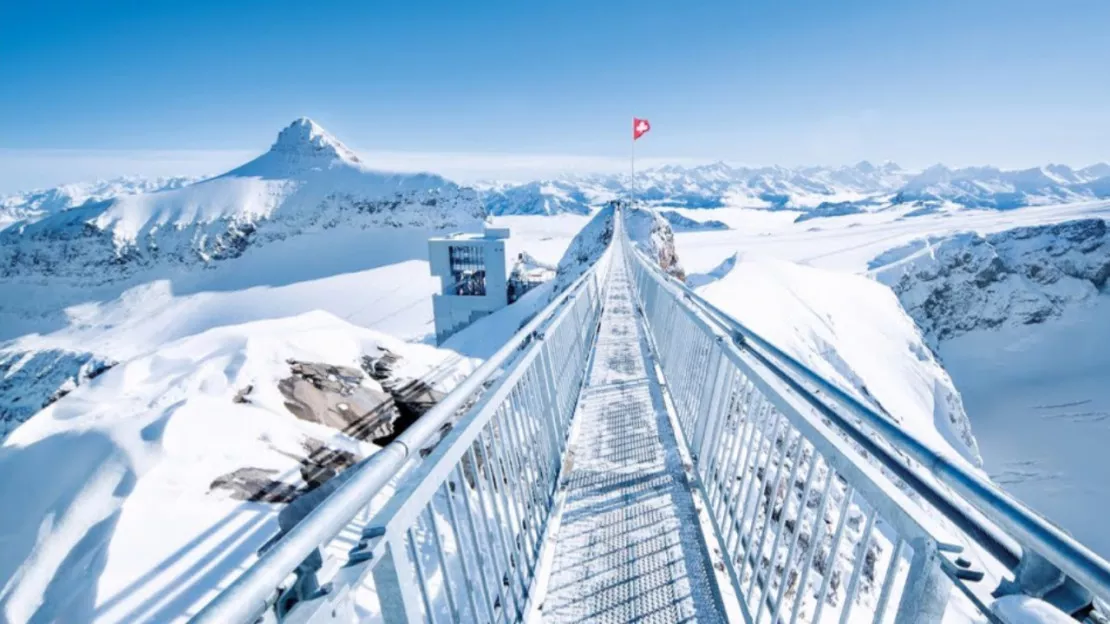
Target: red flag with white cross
<point>639,127</point>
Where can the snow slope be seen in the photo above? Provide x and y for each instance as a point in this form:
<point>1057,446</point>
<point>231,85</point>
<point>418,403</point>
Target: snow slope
<point>303,227</point>
<point>1025,349</point>
<point>33,205</point>
<point>308,181</point>
<point>853,332</point>
<point>128,526</point>
<point>1020,319</point>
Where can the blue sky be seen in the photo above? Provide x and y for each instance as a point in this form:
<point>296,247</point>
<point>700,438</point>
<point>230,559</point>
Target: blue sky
<point>150,86</point>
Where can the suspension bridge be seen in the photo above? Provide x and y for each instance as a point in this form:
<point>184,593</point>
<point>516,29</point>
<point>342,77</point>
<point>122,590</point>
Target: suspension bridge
<point>635,455</point>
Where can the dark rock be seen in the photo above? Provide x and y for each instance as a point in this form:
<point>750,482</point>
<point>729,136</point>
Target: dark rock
<point>335,396</point>
<point>241,396</point>
<point>255,485</point>
<point>318,465</point>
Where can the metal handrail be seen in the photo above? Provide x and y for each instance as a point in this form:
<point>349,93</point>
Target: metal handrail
<point>1022,524</point>
<point>249,595</point>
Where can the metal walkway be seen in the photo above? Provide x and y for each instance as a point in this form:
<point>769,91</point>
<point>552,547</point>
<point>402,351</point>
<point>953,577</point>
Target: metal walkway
<point>628,548</point>
<point>551,484</point>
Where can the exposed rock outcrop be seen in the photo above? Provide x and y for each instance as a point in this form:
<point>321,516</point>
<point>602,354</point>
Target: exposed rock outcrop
<point>955,284</point>
<point>653,234</point>
<point>339,397</point>
<point>30,381</point>
<point>681,223</point>
<point>318,465</point>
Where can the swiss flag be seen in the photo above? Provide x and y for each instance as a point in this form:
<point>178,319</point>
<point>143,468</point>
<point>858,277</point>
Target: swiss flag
<point>639,127</point>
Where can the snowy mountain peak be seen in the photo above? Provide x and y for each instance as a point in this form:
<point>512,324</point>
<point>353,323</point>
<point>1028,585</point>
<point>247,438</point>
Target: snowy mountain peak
<point>305,138</point>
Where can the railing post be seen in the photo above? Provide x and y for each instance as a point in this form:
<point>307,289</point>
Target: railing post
<point>550,398</point>
<point>928,588</point>
<point>395,581</point>
<point>711,395</point>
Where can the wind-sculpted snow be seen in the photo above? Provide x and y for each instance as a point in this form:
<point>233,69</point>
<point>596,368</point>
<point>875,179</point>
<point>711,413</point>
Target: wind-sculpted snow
<point>307,182</point>
<point>138,493</point>
<point>853,332</point>
<point>955,284</point>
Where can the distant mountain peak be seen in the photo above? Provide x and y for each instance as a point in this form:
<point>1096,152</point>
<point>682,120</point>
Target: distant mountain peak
<point>306,138</point>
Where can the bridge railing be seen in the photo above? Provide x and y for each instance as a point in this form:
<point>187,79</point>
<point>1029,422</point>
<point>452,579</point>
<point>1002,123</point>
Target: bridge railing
<point>459,540</point>
<point>851,537</point>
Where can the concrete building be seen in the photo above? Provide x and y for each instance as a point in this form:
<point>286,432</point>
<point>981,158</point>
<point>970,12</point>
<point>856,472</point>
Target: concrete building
<point>473,278</point>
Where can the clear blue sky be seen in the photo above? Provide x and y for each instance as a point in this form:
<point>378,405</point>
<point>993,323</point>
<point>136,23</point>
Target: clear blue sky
<point>1009,82</point>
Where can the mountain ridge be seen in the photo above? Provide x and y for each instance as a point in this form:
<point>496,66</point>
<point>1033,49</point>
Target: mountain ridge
<point>307,181</point>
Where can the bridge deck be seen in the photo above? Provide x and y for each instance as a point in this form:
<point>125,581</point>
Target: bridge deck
<point>628,548</point>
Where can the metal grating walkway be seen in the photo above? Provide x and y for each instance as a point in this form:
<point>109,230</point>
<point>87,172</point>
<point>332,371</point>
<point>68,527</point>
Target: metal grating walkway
<point>628,548</point>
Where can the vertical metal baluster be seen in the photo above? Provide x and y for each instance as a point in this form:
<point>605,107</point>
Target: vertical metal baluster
<point>511,499</point>
<point>739,406</point>
<point>781,524</point>
<point>502,521</point>
<point>841,523</point>
<point>716,384</point>
<point>776,483</point>
<point>530,464</point>
<point>716,447</point>
<point>857,568</point>
<point>814,458</point>
<point>699,382</point>
<point>814,543</point>
<point>550,464</point>
<point>511,477</point>
<point>542,468</point>
<point>478,481</point>
<point>456,526</point>
<point>528,427</point>
<point>526,483</point>
<point>888,581</point>
<point>557,426</point>
<point>745,501</point>
<point>757,433</point>
<point>722,476</point>
<point>448,586</point>
<point>422,579</point>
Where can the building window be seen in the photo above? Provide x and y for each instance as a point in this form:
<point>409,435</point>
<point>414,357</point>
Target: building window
<point>468,269</point>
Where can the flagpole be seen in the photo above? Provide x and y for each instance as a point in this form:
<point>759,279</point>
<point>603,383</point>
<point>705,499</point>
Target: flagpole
<point>632,181</point>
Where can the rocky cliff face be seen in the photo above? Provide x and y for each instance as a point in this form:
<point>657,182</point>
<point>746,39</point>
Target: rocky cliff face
<point>955,284</point>
<point>651,232</point>
<point>30,381</point>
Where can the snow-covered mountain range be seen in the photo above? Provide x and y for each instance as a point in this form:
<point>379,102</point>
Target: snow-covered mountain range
<point>33,205</point>
<point>299,219</point>
<point>814,191</point>
<point>308,181</point>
